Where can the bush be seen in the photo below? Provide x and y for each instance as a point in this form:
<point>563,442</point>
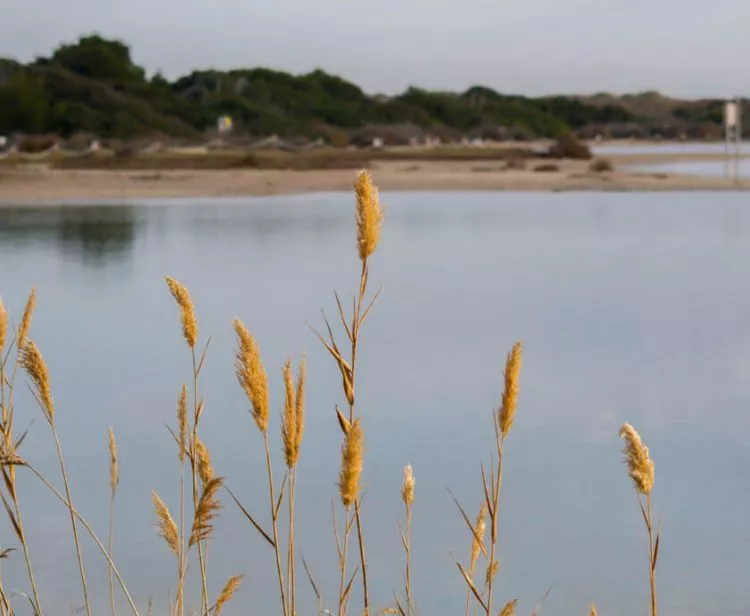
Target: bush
<point>567,146</point>
<point>600,165</point>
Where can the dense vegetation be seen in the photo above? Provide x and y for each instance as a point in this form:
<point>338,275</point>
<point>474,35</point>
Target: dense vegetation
<point>93,86</point>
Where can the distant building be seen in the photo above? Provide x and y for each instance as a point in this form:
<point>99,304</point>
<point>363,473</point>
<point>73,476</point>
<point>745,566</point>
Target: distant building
<point>224,124</point>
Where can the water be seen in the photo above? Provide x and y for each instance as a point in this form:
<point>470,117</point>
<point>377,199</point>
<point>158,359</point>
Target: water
<point>632,307</point>
<point>711,169</point>
<point>662,148</point>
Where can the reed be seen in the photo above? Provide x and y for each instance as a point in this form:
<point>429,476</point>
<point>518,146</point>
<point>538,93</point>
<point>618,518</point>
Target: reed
<point>187,536</point>
<point>641,471</point>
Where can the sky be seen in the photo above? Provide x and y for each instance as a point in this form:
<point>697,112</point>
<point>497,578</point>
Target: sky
<point>685,48</point>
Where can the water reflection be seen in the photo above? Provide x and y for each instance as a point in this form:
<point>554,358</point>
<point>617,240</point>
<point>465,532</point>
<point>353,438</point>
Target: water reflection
<point>94,234</point>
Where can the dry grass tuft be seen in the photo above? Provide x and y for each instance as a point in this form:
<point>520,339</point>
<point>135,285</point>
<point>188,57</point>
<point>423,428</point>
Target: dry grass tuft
<point>251,374</point>
<point>369,215</point>
<point>114,472</point>
<point>28,311</point>
<point>205,468</point>
<point>187,312</point>
<point>352,454</point>
<point>34,364</point>
<point>640,465</point>
<point>167,526</point>
<point>510,394</point>
<point>233,583</point>
<point>208,509</point>
<point>407,490</point>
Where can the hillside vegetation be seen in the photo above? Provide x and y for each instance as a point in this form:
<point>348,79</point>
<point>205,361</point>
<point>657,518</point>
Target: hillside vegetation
<point>93,86</point>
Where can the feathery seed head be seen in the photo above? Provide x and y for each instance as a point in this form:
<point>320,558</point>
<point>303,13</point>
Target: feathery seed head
<point>34,364</point>
<point>407,490</point>
<point>23,329</point>
<point>182,427</point>
<point>507,411</point>
<point>187,312</point>
<point>299,410</point>
<point>593,611</point>
<point>289,423</point>
<point>369,215</point>
<point>480,527</point>
<point>509,609</point>
<point>205,468</point>
<point>491,572</point>
<point>352,453</point>
<point>640,464</point>
<point>3,325</point>
<point>166,524</point>
<point>251,374</point>
<point>206,512</point>
<point>233,583</point>
<point>114,473</point>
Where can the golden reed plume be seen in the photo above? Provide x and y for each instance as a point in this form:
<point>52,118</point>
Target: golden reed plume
<point>352,453</point>
<point>233,583</point>
<point>23,329</point>
<point>205,468</point>
<point>206,512</point>
<point>480,527</point>
<point>369,215</point>
<point>289,423</point>
<point>3,325</point>
<point>34,364</point>
<point>407,490</point>
<point>114,473</point>
<point>592,610</point>
<point>509,609</point>
<point>507,411</point>
<point>640,465</point>
<point>251,374</point>
<point>166,524</point>
<point>299,409</point>
<point>187,312</point>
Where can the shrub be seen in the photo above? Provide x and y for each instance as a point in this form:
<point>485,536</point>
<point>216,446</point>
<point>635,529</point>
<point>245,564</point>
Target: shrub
<point>567,146</point>
<point>600,165</point>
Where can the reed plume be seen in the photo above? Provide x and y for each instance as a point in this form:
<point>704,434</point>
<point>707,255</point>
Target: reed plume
<point>187,311</point>
<point>205,468</point>
<point>477,546</point>
<point>28,312</point>
<point>593,611</point>
<point>182,423</point>
<point>369,215</point>
<point>3,330</point>
<point>166,525</point>
<point>35,366</point>
<point>640,465</point>
<point>114,471</point>
<point>208,508</point>
<point>407,496</point>
<point>300,406</point>
<point>252,375</point>
<point>289,424</point>
<point>352,453</point>
<point>407,489</point>
<point>226,594</point>
<point>510,393</point>
<point>641,471</point>
<point>509,609</point>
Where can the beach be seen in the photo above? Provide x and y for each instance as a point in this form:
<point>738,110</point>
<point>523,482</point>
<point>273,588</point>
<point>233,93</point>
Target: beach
<point>41,182</point>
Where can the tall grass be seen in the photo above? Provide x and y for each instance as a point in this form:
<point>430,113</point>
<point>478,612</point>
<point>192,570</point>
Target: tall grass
<point>187,533</point>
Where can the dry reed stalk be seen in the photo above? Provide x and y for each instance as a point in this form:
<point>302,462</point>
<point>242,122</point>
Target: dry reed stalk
<point>34,364</point>
<point>641,471</point>
<point>509,609</point>
<point>407,496</point>
<point>503,422</point>
<point>187,311</point>
<point>251,375</point>
<point>90,531</point>
<point>233,583</point>
<point>114,480</point>
<point>182,438</point>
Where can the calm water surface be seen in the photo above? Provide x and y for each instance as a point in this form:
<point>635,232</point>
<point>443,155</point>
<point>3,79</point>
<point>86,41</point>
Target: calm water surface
<point>631,307</point>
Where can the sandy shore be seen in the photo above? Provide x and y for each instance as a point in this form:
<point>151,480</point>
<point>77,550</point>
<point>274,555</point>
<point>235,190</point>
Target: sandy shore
<point>29,183</point>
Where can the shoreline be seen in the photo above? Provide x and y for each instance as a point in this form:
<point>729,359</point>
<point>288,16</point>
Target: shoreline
<point>30,183</point>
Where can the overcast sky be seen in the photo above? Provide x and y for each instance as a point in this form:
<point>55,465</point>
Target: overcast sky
<point>680,47</point>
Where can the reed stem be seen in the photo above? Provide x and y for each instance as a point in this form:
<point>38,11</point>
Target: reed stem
<point>274,521</point>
